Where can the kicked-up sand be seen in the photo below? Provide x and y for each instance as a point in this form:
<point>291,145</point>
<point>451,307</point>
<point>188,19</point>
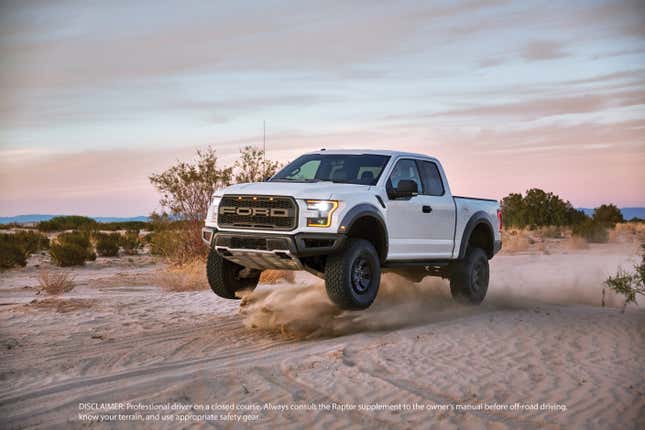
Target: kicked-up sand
<point>541,352</point>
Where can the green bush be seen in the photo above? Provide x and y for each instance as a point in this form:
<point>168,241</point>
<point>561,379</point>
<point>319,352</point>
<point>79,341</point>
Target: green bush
<point>130,242</point>
<point>66,248</point>
<point>107,245</point>
<point>32,241</point>
<point>592,231</point>
<point>68,254</point>
<point>629,285</point>
<point>11,254</point>
<point>125,225</point>
<point>16,247</point>
<point>81,239</point>
<point>72,222</point>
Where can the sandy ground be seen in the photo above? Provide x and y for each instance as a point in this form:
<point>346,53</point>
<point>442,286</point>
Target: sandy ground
<point>413,360</point>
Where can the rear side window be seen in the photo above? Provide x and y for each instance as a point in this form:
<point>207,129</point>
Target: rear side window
<point>432,184</point>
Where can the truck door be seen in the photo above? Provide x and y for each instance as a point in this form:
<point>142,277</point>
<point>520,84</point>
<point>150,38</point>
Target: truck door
<point>441,214</point>
<point>420,227</point>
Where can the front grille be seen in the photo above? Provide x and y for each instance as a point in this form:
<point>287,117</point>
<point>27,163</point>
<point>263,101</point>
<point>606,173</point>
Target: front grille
<point>258,212</point>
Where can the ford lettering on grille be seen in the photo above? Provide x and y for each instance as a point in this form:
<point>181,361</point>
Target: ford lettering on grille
<point>257,212</point>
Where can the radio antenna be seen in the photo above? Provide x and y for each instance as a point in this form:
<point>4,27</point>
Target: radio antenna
<point>264,139</point>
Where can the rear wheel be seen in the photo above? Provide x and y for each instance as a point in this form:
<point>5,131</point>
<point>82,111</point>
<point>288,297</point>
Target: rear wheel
<point>352,277</point>
<point>227,278</point>
<point>469,279</point>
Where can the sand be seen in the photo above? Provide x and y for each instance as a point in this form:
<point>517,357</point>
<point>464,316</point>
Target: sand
<point>539,353</point>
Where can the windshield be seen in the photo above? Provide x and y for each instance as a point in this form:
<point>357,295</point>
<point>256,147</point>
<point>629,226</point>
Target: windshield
<point>361,169</point>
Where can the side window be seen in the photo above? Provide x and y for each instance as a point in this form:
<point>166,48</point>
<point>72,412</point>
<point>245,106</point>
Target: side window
<point>405,169</point>
<point>431,178</point>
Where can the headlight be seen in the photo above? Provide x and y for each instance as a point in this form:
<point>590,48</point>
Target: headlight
<point>324,208</point>
<point>212,208</point>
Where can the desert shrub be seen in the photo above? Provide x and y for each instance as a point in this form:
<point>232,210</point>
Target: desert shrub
<point>514,240</point>
<point>253,165</point>
<point>72,249</point>
<point>608,215</point>
<point>592,231</point>
<point>575,243</point>
<point>552,232</point>
<point>538,208</point>
<point>16,247</point>
<point>125,225</point>
<point>191,276</point>
<point>629,285</point>
<point>31,240</point>
<point>55,282</point>
<point>11,225</point>
<point>68,254</point>
<point>130,242</point>
<point>81,239</point>
<point>107,245</point>
<point>72,222</point>
<point>11,254</point>
<point>179,247</point>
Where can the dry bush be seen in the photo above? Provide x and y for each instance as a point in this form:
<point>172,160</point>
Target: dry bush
<point>551,232</point>
<point>576,243</point>
<point>55,282</point>
<point>515,240</point>
<point>628,232</point>
<point>180,246</point>
<point>276,276</point>
<point>62,305</point>
<point>187,277</point>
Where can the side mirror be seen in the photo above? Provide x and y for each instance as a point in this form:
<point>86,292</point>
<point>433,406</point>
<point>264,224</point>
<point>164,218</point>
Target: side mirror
<point>405,189</point>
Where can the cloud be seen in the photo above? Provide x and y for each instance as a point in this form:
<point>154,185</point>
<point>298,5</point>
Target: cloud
<point>536,108</point>
<point>540,50</point>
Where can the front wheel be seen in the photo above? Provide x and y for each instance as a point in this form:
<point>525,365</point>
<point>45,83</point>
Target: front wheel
<point>227,278</point>
<point>469,279</point>
<point>352,277</point>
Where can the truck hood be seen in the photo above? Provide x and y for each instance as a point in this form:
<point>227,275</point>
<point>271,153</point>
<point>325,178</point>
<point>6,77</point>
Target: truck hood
<point>298,190</point>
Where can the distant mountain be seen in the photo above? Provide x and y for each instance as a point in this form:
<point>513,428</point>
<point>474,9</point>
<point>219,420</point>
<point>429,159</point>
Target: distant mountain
<point>21,219</point>
<point>628,213</point>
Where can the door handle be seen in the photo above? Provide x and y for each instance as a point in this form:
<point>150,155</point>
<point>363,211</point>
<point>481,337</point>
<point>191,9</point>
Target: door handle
<point>426,209</point>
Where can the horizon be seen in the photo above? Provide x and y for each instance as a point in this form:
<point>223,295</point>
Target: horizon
<point>508,96</point>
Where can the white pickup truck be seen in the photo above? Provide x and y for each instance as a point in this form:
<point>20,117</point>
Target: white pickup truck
<point>346,216</point>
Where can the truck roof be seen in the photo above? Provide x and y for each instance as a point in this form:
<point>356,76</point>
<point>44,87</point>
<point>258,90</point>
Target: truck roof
<point>371,151</point>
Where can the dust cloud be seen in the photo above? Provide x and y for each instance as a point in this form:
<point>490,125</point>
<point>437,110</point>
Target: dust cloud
<point>304,311</point>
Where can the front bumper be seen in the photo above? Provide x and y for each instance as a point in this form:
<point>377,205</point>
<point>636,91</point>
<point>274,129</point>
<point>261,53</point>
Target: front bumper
<point>271,251</point>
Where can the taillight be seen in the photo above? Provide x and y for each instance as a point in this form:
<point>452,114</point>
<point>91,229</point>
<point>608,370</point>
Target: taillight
<point>499,219</point>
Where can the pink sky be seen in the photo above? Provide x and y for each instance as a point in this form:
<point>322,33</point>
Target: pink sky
<point>508,95</point>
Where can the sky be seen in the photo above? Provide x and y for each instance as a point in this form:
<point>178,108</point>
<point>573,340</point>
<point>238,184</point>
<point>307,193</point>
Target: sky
<point>96,96</point>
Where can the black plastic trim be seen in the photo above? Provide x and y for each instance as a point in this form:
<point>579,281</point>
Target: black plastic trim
<point>295,244</point>
<point>365,210</point>
<point>304,251</point>
<point>475,198</point>
<point>415,263</point>
<point>477,218</point>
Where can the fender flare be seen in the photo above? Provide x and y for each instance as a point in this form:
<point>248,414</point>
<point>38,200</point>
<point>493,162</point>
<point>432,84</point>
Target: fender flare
<point>475,220</point>
<point>365,210</point>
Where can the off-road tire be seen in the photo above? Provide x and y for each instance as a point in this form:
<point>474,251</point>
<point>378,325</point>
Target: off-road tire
<point>224,276</point>
<point>352,276</point>
<point>469,278</point>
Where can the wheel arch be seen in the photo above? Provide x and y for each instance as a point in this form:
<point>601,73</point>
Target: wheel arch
<point>362,221</point>
<point>479,232</point>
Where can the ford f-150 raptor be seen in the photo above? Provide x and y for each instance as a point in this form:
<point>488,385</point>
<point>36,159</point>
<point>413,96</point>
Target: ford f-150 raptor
<point>346,216</point>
